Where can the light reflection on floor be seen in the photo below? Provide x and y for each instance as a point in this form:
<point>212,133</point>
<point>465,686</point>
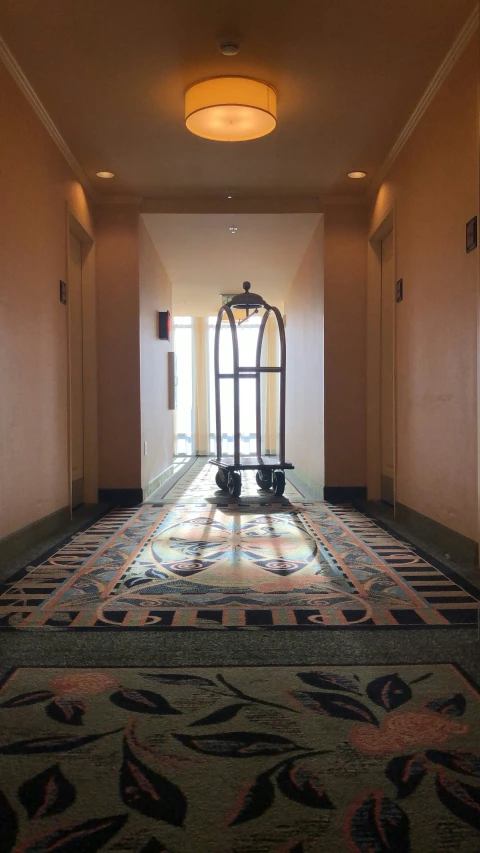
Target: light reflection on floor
<point>198,483</point>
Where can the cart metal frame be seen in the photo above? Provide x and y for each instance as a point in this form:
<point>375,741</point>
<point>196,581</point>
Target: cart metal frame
<point>250,302</point>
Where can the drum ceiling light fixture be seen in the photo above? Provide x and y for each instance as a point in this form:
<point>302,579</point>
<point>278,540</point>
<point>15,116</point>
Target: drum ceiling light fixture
<point>230,109</point>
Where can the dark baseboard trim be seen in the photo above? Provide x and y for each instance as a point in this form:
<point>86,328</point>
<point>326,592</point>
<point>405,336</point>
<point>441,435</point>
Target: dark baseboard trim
<point>459,547</point>
<point>344,494</point>
<point>121,497</point>
<point>388,490</point>
<point>29,535</point>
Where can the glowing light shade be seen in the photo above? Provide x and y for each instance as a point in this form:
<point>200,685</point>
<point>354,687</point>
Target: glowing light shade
<point>230,109</point>
<point>357,175</point>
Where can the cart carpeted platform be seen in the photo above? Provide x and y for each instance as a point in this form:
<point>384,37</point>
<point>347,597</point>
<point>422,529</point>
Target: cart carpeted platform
<point>198,484</point>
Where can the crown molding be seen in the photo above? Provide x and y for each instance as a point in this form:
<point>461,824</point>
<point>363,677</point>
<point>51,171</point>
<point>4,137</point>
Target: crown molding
<point>135,200</point>
<point>240,204</point>
<point>28,91</point>
<point>343,200</point>
<point>453,55</point>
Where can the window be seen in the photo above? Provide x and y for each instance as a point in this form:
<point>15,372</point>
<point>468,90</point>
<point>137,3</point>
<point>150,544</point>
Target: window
<point>184,413</point>
<point>247,346</point>
<point>195,424</point>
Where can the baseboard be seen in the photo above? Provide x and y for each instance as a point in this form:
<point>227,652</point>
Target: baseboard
<point>388,490</point>
<point>344,494</point>
<point>175,474</point>
<point>29,535</point>
<point>133,497</point>
<point>459,547</point>
<point>155,484</point>
<point>121,497</point>
<point>78,491</point>
<point>304,482</point>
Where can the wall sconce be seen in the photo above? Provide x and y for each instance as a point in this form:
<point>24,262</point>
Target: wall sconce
<point>164,325</point>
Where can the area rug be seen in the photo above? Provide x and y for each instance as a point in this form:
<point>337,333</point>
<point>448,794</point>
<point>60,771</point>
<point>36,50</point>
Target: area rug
<point>242,760</point>
<point>305,566</point>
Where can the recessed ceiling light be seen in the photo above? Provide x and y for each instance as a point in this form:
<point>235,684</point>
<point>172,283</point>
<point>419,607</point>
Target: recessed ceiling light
<point>357,174</point>
<point>233,229</point>
<point>229,196</point>
<point>105,175</point>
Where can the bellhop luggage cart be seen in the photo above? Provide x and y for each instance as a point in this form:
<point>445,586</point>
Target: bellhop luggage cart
<point>270,469</point>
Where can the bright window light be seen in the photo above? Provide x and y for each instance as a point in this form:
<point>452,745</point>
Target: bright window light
<point>183,343</point>
<point>247,347</point>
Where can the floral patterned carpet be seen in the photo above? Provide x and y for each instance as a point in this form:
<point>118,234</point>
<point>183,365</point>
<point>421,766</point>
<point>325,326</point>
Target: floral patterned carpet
<point>239,760</point>
<point>198,566</point>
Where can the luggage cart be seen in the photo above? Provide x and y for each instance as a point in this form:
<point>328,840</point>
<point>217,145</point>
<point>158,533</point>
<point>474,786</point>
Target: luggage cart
<point>270,469</point>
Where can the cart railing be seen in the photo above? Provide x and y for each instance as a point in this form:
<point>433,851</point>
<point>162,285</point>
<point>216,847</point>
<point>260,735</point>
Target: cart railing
<point>241,372</point>
<point>281,370</point>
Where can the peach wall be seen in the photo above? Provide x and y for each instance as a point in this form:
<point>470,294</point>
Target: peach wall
<point>157,419</point>
<point>118,341</point>
<point>36,184</point>
<point>433,188</point>
<point>304,310</point>
<point>345,345</point>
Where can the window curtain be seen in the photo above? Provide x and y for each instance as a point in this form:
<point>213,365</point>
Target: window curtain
<point>270,389</point>
<point>201,385</point>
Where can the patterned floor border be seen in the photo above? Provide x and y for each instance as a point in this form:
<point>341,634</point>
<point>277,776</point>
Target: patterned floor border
<point>453,574</point>
<point>404,561</point>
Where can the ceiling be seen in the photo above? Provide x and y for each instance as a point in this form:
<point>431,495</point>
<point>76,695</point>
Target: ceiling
<point>204,259</point>
<point>112,75</point>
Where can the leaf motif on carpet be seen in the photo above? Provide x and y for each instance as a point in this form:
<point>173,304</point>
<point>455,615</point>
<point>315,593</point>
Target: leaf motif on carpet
<point>248,759</point>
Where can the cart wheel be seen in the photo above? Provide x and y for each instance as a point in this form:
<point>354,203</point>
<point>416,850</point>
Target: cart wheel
<point>234,483</point>
<point>264,478</point>
<point>279,482</point>
<point>221,479</point>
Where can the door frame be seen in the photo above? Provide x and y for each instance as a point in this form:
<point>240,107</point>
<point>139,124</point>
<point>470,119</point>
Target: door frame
<point>89,361</point>
<point>374,359</point>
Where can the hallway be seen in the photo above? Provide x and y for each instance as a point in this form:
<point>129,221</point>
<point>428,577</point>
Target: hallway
<point>190,663</point>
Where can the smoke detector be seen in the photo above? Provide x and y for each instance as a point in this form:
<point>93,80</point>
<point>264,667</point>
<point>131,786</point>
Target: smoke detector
<point>229,46</point>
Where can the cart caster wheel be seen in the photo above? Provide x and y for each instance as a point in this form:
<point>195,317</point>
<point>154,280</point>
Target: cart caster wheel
<point>279,482</point>
<point>234,484</point>
<point>221,480</point>
<point>264,478</point>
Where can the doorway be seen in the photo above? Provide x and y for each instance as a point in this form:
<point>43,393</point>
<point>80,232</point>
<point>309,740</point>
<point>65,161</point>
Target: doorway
<point>77,417</point>
<point>387,369</point>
